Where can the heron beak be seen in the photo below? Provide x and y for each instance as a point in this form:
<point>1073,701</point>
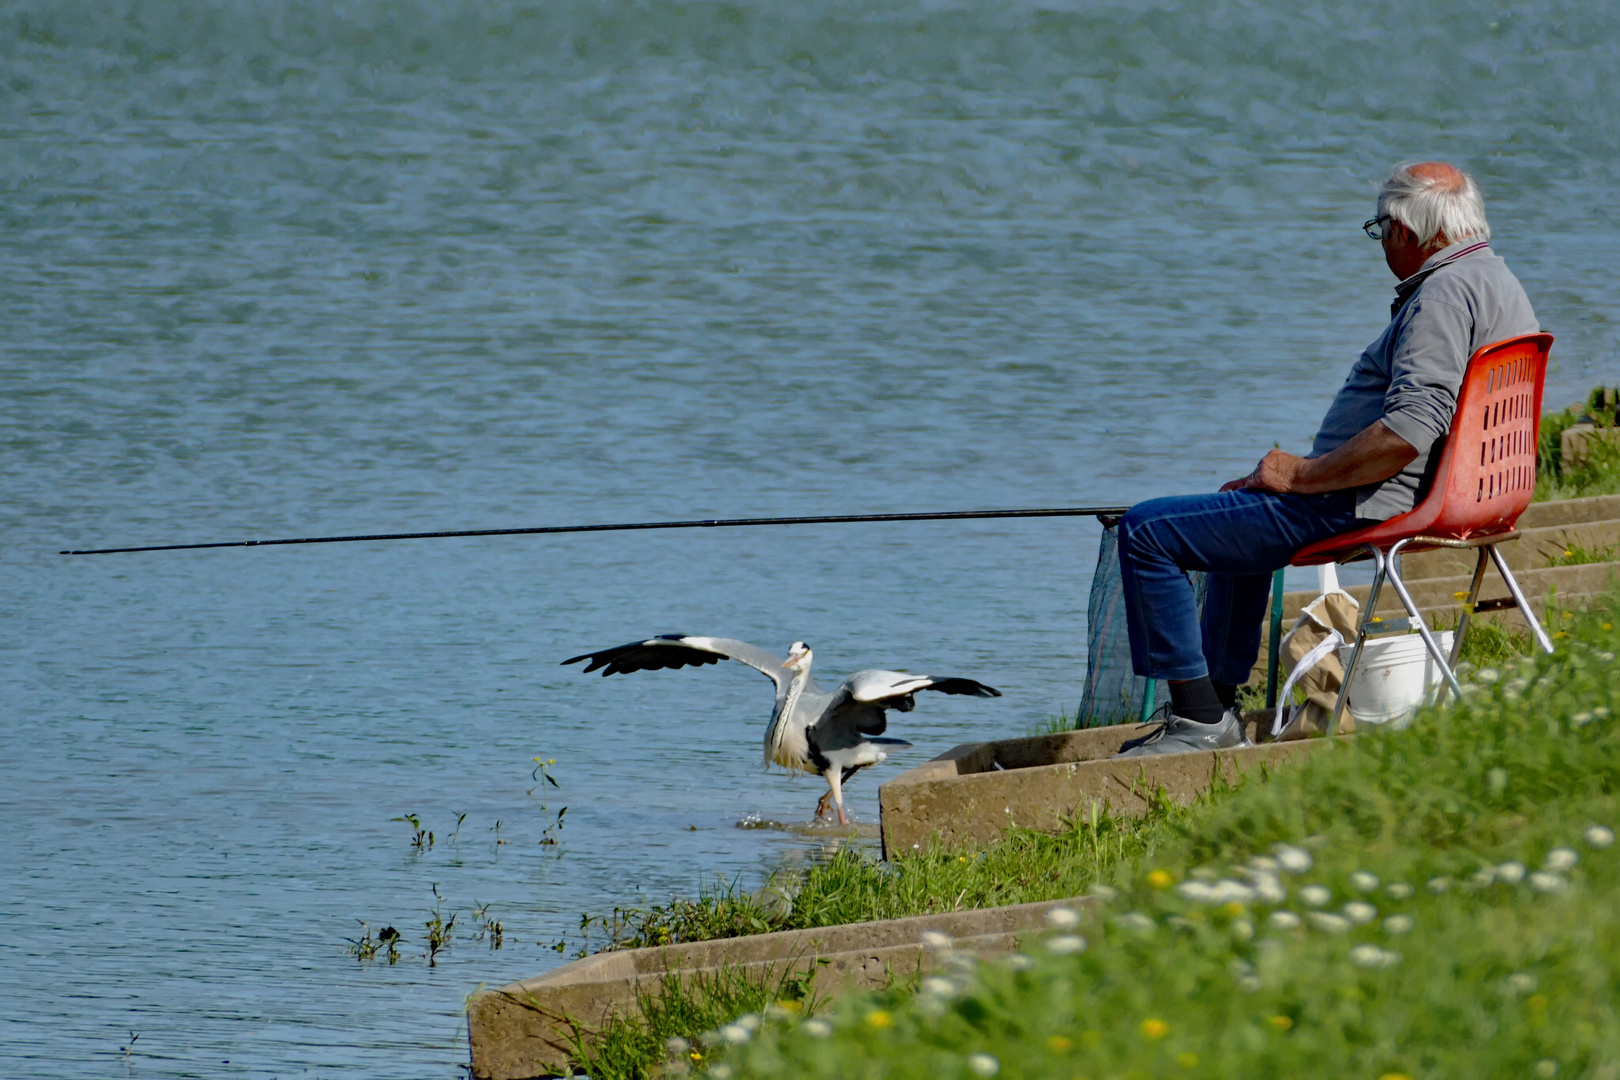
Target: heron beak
<point>794,657</point>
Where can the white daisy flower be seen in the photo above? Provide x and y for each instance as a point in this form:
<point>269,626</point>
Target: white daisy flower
<point>936,940</point>
<point>1599,837</point>
<point>1560,860</point>
<point>1438,885</point>
<point>1292,859</point>
<point>939,986</point>
<point>1360,912</point>
<point>1064,944</point>
<point>983,1065</point>
<point>1364,881</point>
<point>1371,956</point>
<point>1283,920</point>
<point>1315,895</point>
<point>1543,882</point>
<point>735,1034</point>
<point>1062,918</point>
<point>1333,924</point>
<point>1510,872</point>
<point>1398,924</point>
<point>1400,890</point>
<point>1520,983</point>
<point>817,1027</point>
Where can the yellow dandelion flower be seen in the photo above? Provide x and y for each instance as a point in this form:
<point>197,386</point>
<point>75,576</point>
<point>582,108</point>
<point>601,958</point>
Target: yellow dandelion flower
<point>1607,626</point>
<point>1160,879</point>
<point>695,1056</point>
<point>1394,1076</point>
<point>1234,909</point>
<point>879,1019</point>
<point>790,1006</point>
<point>1187,1060</point>
<point>1154,1028</point>
<point>1568,615</point>
<point>1280,1022</point>
<point>1060,1044</point>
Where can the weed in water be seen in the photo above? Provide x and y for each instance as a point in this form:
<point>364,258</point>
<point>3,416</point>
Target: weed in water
<point>365,946</point>
<point>421,839</point>
<point>455,835</point>
<point>129,1048</point>
<point>488,929</point>
<point>440,931</point>
<point>553,822</point>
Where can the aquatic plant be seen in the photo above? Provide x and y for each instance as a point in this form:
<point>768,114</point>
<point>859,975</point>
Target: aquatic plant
<point>421,839</point>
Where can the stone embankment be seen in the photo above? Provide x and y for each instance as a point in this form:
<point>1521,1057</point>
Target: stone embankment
<point>526,1029</point>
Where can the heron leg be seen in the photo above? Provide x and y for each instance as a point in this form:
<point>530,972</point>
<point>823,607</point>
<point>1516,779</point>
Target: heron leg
<point>835,788</point>
<point>821,805</point>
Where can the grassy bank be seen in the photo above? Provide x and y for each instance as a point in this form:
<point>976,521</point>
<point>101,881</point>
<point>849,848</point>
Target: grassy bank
<point>1600,473</point>
<point>1434,902</point>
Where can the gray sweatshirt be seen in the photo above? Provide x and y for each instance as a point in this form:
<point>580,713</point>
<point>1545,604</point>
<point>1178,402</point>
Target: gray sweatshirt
<point>1462,298</point>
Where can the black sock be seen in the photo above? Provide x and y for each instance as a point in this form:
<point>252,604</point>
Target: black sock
<point>1196,700</point>
<point>1227,692</point>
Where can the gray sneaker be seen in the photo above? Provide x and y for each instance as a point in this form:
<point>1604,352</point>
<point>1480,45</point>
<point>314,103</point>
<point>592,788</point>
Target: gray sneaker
<point>1178,735</point>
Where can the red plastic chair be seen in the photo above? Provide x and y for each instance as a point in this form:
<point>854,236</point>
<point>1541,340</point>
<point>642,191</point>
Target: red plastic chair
<point>1486,475</point>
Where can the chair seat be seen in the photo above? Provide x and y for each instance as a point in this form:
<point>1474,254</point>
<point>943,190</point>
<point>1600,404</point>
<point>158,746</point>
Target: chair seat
<point>1343,548</point>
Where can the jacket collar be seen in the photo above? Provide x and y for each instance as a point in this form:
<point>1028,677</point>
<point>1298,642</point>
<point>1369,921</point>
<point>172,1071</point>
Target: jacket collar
<point>1444,257</point>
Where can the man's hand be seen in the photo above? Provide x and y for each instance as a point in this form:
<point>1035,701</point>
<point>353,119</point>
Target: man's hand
<point>1376,453</point>
<point>1275,473</point>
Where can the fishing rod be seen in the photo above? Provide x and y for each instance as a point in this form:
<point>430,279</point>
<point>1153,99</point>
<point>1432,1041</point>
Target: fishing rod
<point>714,523</point>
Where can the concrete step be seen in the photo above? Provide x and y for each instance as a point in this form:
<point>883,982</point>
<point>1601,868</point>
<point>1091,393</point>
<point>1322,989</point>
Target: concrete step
<point>525,1029</point>
<point>973,792</point>
<point>1534,548</point>
<point>1443,596</point>
<point>1540,515</point>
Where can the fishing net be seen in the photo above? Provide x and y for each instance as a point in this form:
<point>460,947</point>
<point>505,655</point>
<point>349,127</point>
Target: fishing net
<point>1113,691</point>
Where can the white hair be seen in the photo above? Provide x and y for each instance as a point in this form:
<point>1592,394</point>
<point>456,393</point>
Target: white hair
<point>1449,202</point>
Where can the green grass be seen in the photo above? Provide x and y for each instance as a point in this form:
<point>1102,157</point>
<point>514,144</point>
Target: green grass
<point>1456,937</point>
<point>659,1038</point>
<point>851,886</point>
<point>1600,474</point>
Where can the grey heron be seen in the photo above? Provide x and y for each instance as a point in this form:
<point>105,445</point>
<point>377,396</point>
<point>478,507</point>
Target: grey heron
<point>834,735</point>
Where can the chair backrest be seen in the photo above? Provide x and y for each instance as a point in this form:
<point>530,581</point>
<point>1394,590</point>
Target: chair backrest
<point>1487,469</point>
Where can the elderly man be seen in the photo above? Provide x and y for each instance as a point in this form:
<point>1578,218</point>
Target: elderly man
<point>1369,462</point>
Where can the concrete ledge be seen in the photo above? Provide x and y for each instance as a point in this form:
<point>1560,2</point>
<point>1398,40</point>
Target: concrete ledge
<point>1438,596</point>
<point>1534,549</point>
<point>525,1029</point>
<point>973,792</point>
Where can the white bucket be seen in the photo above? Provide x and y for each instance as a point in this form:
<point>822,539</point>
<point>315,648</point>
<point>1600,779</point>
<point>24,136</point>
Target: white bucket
<point>1394,676</point>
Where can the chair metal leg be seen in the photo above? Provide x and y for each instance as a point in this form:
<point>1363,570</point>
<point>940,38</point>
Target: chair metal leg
<point>1361,637</point>
<point>1429,641</point>
<point>1518,597</point>
<point>1465,618</point>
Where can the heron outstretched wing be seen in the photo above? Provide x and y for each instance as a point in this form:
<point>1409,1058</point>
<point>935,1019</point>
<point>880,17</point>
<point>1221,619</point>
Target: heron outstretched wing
<point>683,650</point>
<point>859,705</point>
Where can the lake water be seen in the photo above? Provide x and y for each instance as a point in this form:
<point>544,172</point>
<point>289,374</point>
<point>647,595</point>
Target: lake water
<point>316,268</point>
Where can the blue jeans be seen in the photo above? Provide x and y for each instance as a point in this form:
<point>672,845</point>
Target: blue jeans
<point>1240,538</point>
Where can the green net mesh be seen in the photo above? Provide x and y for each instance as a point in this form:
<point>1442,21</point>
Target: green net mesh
<point>1113,693</point>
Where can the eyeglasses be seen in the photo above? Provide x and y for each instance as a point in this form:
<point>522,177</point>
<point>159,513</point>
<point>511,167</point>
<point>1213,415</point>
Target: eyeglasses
<point>1374,227</point>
